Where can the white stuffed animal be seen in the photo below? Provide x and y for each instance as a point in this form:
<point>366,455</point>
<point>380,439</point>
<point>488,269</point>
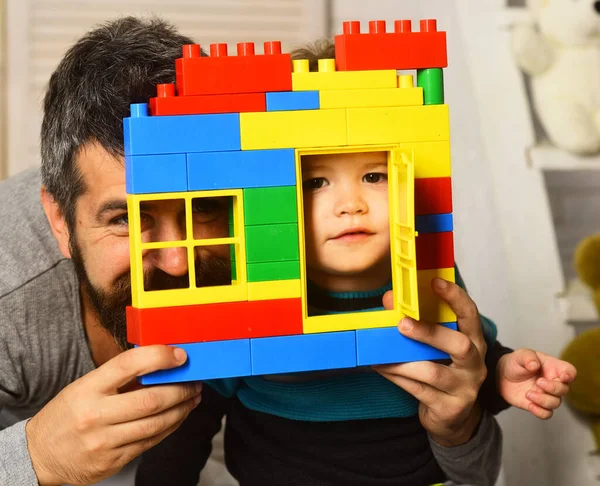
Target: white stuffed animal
<point>561,53</point>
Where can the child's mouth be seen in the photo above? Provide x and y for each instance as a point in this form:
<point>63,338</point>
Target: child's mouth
<point>353,234</point>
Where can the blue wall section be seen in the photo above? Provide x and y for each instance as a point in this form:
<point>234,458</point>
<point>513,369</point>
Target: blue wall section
<point>146,174</point>
<point>434,223</point>
<point>293,100</point>
<point>241,170</point>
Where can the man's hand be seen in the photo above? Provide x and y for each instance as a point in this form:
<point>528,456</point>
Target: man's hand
<point>447,394</point>
<point>534,381</point>
<point>89,431</point>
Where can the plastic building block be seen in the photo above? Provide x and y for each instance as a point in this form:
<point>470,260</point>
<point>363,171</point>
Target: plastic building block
<point>166,103</point>
<point>433,195</point>
<point>262,272</point>
<point>432,82</point>
<point>237,291</point>
<point>241,169</point>
<point>434,309</point>
<point>224,74</point>
<point>387,345</point>
<point>155,173</point>
<point>290,100</point>
<point>149,135</point>
<point>270,205</point>
<point>308,352</point>
<point>435,250</point>
<point>432,159</point>
<point>276,289</point>
<point>398,124</point>
<point>328,78</point>
<point>371,98</point>
<point>298,129</point>
<point>272,243</point>
<point>434,223</point>
<point>402,49</point>
<point>214,322</point>
<point>205,361</point>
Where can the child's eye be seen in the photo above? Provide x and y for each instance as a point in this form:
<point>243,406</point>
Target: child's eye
<point>206,209</point>
<point>375,177</point>
<point>314,184</point>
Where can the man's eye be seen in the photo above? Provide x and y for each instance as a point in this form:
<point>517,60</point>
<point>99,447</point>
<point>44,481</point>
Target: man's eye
<point>313,184</point>
<point>205,209</point>
<point>375,177</point>
<point>122,220</point>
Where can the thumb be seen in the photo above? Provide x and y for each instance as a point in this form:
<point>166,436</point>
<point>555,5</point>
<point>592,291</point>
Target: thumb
<point>527,364</point>
<point>388,300</point>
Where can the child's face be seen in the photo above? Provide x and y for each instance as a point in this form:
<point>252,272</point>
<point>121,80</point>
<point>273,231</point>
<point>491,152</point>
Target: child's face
<point>346,220</point>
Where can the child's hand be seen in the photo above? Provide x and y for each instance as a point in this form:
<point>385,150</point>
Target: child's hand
<point>534,381</point>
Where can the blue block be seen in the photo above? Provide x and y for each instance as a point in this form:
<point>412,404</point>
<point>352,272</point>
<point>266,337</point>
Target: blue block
<point>150,135</point>
<point>293,100</point>
<point>386,345</point>
<point>434,223</point>
<point>206,361</point>
<point>303,352</point>
<point>241,170</point>
<point>146,174</point>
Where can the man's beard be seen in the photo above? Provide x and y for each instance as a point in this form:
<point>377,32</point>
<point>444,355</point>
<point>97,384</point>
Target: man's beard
<point>110,306</point>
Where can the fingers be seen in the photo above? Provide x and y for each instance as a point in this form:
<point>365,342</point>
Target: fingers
<point>459,346</point>
<point>388,300</point>
<point>463,306</point>
<point>424,393</point>
<point>556,368</point>
<point>152,426</point>
<point>148,401</point>
<point>553,387</point>
<point>436,376</point>
<point>544,400</point>
<point>133,363</point>
<point>540,412</point>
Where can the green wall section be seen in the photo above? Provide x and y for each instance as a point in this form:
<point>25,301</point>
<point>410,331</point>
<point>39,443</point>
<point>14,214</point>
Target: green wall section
<point>270,205</point>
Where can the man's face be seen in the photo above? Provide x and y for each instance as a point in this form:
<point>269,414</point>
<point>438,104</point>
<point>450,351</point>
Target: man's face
<point>346,218</point>
<point>99,241</point>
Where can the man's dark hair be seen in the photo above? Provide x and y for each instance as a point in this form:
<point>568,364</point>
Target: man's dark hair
<point>89,94</point>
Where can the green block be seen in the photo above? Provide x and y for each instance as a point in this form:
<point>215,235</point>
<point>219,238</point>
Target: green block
<point>232,262</point>
<point>272,243</point>
<point>263,272</point>
<point>270,205</point>
<point>432,82</point>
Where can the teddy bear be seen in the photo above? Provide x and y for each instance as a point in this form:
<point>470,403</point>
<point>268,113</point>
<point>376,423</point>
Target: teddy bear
<point>587,265</point>
<point>560,51</point>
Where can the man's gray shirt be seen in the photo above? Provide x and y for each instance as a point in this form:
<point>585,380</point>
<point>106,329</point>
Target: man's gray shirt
<point>43,346</point>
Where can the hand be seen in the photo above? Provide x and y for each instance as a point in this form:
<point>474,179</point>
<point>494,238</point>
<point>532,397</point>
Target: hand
<point>89,431</point>
<point>534,381</point>
<point>447,394</point>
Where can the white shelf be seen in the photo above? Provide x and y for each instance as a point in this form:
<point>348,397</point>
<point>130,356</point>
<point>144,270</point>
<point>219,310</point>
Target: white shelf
<point>548,157</point>
<point>578,307</point>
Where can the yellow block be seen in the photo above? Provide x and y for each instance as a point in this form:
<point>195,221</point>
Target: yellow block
<point>329,78</point>
<point>434,309</point>
<point>432,159</point>
<point>276,289</point>
<point>402,247</point>
<point>398,124</point>
<point>293,129</point>
<point>359,98</point>
<point>237,291</point>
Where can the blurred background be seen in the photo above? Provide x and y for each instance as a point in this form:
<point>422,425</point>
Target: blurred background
<point>521,205</point>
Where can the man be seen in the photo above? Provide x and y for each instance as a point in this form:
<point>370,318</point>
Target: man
<point>64,285</point>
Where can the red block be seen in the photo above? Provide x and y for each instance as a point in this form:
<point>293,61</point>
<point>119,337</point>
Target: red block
<point>402,49</point>
<point>433,196</point>
<point>435,250</point>
<point>166,103</point>
<point>223,74</point>
<point>214,322</point>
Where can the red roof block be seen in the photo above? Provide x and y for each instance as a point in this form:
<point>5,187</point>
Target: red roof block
<point>402,49</point>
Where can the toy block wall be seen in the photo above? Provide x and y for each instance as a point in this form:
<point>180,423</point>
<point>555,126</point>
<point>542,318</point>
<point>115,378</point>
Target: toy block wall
<point>234,128</point>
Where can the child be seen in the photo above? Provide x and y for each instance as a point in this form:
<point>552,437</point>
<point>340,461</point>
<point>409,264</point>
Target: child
<point>349,426</point>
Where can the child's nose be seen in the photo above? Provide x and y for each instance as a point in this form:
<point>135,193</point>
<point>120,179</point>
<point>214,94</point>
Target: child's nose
<point>352,203</point>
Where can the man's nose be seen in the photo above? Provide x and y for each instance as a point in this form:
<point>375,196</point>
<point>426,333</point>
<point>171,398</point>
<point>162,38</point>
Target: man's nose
<point>172,261</point>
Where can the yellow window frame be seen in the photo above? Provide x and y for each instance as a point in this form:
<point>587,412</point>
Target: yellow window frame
<point>237,291</point>
<point>402,244</point>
